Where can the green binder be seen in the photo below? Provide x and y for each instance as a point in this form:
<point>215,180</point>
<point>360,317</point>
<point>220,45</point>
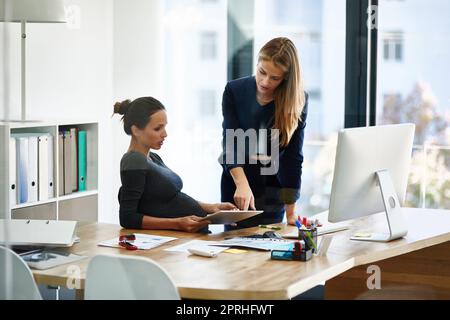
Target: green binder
<point>82,160</point>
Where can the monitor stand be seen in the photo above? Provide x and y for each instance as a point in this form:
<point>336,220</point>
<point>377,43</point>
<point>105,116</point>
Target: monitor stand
<point>393,210</point>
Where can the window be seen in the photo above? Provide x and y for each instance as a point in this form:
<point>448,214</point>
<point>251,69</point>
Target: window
<point>418,91</point>
<point>393,46</point>
<point>225,36</point>
<point>195,75</point>
<point>317,28</point>
<point>392,112</point>
<point>208,45</point>
<point>314,94</point>
<point>208,104</point>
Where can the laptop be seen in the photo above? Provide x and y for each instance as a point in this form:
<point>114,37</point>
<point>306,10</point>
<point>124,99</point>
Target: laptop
<point>39,233</point>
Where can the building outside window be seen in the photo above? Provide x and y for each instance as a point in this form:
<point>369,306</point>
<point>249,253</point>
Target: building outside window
<point>208,45</point>
<point>393,46</point>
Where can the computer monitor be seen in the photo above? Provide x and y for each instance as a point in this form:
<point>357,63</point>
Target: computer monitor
<point>371,175</point>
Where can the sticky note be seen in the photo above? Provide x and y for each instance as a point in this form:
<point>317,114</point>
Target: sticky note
<point>362,235</point>
<point>235,251</point>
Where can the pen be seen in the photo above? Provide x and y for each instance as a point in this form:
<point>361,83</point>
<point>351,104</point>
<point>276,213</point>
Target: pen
<point>312,241</point>
<point>269,227</point>
<point>299,226</point>
<point>301,234</point>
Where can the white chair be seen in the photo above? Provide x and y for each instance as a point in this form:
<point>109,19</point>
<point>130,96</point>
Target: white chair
<point>111,277</point>
<point>16,279</point>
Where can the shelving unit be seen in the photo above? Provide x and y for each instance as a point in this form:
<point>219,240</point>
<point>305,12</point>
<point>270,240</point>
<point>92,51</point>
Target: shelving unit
<point>79,206</point>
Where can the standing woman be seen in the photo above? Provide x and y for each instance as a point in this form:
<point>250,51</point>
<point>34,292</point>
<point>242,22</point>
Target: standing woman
<point>272,99</point>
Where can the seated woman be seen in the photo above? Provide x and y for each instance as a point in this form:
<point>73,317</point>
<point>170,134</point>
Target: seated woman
<point>150,196</point>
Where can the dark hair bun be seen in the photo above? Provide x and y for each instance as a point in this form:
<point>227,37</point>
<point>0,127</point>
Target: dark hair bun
<point>122,107</point>
<point>137,112</point>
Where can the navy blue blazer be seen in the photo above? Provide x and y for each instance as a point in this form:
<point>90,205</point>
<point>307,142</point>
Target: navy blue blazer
<point>241,111</point>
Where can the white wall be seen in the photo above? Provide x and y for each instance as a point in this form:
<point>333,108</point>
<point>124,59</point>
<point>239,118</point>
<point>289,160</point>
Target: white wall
<point>78,74</point>
<point>68,70</point>
<point>69,77</point>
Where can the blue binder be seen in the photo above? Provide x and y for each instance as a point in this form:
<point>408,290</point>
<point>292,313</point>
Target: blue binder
<point>82,164</point>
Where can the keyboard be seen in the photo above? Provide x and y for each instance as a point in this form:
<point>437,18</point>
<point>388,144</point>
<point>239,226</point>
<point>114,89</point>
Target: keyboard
<point>320,230</point>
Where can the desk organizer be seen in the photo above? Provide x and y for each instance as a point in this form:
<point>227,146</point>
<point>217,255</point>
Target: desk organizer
<point>304,255</point>
<point>303,249</point>
<point>310,238</point>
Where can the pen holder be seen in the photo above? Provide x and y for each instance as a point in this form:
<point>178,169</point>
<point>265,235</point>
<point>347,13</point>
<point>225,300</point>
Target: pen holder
<point>310,238</point>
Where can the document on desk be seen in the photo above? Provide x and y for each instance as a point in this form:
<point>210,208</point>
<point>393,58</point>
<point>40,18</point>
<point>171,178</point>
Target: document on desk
<point>265,244</point>
<point>142,241</point>
<point>197,244</point>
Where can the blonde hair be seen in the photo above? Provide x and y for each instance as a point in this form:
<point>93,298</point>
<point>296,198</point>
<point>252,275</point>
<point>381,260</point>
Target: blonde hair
<point>289,96</point>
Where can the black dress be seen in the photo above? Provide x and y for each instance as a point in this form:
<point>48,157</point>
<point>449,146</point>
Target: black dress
<point>150,188</point>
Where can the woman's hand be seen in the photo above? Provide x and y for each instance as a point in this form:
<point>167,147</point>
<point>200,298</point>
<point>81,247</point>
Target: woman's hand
<point>191,223</point>
<point>243,197</point>
<point>214,207</point>
<point>290,219</point>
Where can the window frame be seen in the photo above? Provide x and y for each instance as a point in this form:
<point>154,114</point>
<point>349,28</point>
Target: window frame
<point>360,65</point>
<point>360,62</point>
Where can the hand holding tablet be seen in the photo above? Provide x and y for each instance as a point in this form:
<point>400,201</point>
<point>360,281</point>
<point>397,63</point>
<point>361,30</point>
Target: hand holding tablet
<point>231,216</point>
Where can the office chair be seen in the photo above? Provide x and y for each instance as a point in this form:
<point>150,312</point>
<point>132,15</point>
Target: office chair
<point>16,279</point>
<point>111,277</point>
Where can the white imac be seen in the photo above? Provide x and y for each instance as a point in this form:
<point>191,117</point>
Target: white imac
<point>371,175</point>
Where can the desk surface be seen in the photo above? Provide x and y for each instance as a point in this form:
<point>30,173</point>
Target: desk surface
<point>253,275</point>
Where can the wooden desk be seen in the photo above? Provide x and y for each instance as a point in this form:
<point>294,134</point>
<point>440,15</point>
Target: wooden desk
<point>253,275</point>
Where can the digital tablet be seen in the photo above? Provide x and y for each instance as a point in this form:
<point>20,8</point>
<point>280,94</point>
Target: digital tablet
<point>231,216</point>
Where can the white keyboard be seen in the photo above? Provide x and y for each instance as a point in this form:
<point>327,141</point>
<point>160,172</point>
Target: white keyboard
<point>320,230</point>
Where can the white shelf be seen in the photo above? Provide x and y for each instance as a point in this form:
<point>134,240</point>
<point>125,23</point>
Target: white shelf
<point>38,123</point>
<point>51,207</point>
<point>78,194</point>
<point>75,195</point>
<point>32,204</point>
